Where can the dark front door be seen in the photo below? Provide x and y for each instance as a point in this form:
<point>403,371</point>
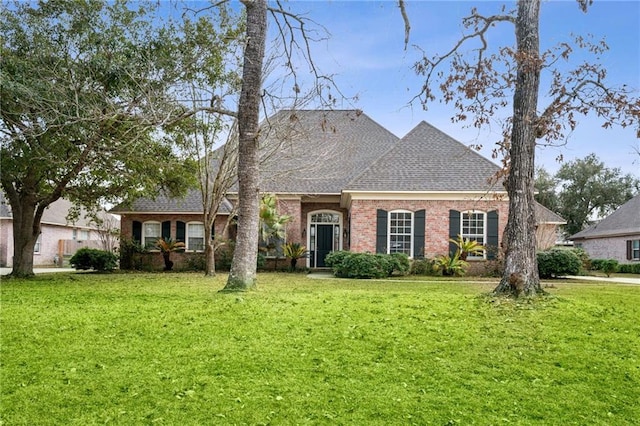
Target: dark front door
<point>324,243</point>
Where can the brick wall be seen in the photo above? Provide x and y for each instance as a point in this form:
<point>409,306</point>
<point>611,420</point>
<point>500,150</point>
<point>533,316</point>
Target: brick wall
<point>363,220</point>
<point>126,222</point>
<point>608,248</point>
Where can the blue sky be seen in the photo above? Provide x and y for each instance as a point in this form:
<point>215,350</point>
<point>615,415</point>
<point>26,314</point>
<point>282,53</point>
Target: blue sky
<point>365,53</point>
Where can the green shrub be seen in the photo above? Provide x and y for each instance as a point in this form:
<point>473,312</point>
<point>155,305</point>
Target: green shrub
<point>610,266</point>
<point>584,258</point>
<point>98,260</point>
<point>422,267</point>
<point>596,264</point>
<point>335,258</point>
<point>629,268</point>
<point>195,262</point>
<point>367,265</point>
<point>128,250</point>
<point>364,265</point>
<point>451,265</point>
<point>558,262</point>
<point>398,263</point>
<point>224,256</point>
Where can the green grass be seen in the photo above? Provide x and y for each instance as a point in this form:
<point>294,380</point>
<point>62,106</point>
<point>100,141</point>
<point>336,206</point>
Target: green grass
<point>168,349</point>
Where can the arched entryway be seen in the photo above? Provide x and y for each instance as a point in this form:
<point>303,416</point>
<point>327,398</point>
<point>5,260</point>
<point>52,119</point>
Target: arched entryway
<point>324,235</point>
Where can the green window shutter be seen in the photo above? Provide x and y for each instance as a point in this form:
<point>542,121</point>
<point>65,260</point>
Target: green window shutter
<point>418,234</point>
<point>492,234</point>
<point>166,230</point>
<point>181,230</point>
<point>136,231</point>
<point>454,229</point>
<point>381,231</point>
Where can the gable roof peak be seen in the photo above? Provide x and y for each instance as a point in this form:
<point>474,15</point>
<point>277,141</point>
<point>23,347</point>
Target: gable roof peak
<point>427,159</point>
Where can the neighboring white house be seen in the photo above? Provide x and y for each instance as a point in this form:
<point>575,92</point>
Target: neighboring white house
<point>59,239</point>
<point>617,236</point>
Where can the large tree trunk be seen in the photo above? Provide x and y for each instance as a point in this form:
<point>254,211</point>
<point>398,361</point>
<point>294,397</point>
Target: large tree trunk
<point>243,267</point>
<point>26,230</point>
<point>521,268</point>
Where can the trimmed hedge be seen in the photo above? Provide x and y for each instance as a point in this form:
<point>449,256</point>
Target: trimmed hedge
<point>98,260</point>
<point>367,265</point>
<point>558,262</point>
<point>610,266</point>
<point>629,268</point>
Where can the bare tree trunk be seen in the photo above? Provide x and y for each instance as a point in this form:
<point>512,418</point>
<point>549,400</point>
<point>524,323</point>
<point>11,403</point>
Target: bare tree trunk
<point>521,268</point>
<point>209,250</point>
<point>243,267</point>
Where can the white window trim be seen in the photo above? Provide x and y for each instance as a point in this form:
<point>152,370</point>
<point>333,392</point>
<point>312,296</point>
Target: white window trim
<point>186,235</point>
<point>37,248</point>
<point>411,234</point>
<point>484,230</point>
<point>634,250</point>
<point>144,234</point>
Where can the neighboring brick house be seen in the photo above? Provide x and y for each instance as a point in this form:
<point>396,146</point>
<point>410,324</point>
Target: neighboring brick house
<point>617,236</point>
<point>350,184</point>
<point>59,239</point>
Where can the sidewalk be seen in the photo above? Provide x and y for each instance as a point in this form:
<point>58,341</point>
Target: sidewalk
<point>7,271</point>
<point>607,280</point>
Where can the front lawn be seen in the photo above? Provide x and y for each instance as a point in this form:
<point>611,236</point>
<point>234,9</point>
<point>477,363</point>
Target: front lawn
<point>168,349</point>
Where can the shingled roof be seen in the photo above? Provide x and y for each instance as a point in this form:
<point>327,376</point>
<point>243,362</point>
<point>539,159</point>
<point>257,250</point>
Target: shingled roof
<point>427,159</point>
<point>162,203</point>
<point>624,221</point>
<point>55,214</point>
<point>319,152</point>
<point>544,215</point>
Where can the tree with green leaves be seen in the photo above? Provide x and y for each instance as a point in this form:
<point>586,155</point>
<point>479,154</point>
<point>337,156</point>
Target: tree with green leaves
<point>480,79</point>
<point>84,87</point>
<point>587,188</point>
<point>272,223</point>
<point>546,189</point>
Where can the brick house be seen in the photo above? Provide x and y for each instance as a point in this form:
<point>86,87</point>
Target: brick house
<point>617,236</point>
<point>350,184</point>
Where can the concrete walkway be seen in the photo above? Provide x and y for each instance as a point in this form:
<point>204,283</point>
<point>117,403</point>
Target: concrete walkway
<point>329,275</point>
<point>7,271</point>
<point>620,280</point>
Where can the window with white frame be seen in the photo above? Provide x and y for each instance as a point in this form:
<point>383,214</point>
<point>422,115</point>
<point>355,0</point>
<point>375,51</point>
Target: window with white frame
<point>474,228</point>
<point>195,236</point>
<point>635,250</point>
<point>151,232</point>
<point>400,232</point>
<point>38,246</point>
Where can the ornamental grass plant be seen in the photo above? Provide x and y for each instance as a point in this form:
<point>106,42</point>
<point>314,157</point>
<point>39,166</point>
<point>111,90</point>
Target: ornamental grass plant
<point>167,349</point>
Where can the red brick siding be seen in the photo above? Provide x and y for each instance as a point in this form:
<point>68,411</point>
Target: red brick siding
<point>127,221</point>
<point>363,221</point>
<point>293,209</point>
